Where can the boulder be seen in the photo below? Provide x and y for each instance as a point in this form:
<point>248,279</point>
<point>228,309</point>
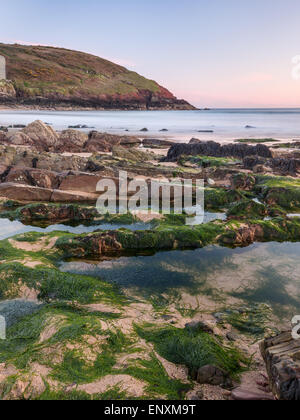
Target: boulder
<point>203,326</point>
<point>44,138</point>
<point>34,177</point>
<point>72,141</point>
<point>212,375</point>
<point>282,357</point>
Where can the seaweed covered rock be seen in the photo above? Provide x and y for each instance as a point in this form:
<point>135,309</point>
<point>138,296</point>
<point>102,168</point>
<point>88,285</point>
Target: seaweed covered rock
<point>247,209</point>
<point>53,212</point>
<point>212,148</point>
<point>281,355</point>
<point>243,181</point>
<point>219,198</point>
<point>134,155</point>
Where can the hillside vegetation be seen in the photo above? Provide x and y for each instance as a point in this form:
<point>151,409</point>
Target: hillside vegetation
<point>56,76</point>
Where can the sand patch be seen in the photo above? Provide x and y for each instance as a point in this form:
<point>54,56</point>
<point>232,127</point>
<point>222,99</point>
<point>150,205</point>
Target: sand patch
<point>130,385</point>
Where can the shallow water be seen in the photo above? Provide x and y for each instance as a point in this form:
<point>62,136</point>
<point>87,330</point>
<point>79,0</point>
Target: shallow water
<point>11,228</point>
<point>262,273</point>
<point>227,124</point>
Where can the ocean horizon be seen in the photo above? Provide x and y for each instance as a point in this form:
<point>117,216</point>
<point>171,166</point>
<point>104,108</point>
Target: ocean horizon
<point>219,124</point>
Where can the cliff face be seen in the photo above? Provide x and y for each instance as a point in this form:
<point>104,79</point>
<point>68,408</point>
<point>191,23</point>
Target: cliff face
<point>56,77</point>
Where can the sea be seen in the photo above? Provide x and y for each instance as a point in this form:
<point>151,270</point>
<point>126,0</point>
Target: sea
<point>223,125</point>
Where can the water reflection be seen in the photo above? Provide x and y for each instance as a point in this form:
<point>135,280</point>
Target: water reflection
<point>262,273</point>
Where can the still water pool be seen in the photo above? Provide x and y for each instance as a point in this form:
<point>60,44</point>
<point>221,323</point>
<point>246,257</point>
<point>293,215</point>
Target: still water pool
<point>262,273</point>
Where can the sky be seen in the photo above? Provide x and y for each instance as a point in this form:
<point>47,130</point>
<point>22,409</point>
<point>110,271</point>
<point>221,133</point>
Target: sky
<point>213,53</point>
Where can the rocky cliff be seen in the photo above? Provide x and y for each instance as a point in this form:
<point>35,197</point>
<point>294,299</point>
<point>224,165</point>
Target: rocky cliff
<point>48,77</point>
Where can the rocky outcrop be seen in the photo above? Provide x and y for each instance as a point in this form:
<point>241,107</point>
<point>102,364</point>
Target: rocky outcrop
<point>72,141</point>
<point>103,142</point>
<point>43,136</point>
<point>280,166</point>
<point>211,148</point>
<point>33,177</point>
<point>281,355</point>
<point>56,213</point>
<point>232,233</point>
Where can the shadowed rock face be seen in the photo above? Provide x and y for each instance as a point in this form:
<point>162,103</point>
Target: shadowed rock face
<point>282,357</point>
<point>211,148</point>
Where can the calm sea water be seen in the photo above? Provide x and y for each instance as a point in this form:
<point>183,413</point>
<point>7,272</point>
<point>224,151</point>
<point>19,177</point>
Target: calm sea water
<point>226,124</point>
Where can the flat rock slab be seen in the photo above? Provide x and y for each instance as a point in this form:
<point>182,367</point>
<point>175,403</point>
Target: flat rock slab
<point>240,394</point>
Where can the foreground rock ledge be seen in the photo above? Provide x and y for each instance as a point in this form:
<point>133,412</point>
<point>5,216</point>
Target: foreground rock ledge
<point>282,357</point>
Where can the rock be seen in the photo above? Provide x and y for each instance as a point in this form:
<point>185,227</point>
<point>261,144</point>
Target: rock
<point>59,196</point>
<point>157,144</point>
<point>205,131</point>
<point>163,130</point>
<point>34,177</point>
<point>72,141</point>
<point>247,209</point>
<point>57,213</point>
<point>144,129</point>
<point>79,181</point>
<point>282,357</point>
<point>211,148</point>
<point>212,375</point>
<point>249,126</point>
<point>24,192</point>
<point>232,337</point>
<point>240,394</point>
<point>242,181</point>
<point>43,136</point>
<point>3,137</point>
<point>103,142</point>
<point>20,139</point>
<point>129,154</point>
<point>200,326</point>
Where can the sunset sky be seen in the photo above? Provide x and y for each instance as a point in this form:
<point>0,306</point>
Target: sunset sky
<point>214,53</point>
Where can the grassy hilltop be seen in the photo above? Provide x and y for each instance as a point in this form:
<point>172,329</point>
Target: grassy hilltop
<point>59,77</point>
